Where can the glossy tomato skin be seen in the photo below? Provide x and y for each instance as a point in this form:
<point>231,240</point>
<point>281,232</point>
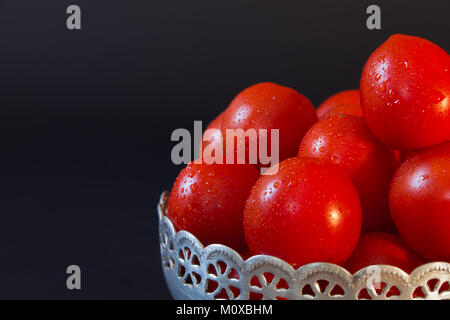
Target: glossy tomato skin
<point>208,201</point>
<point>272,106</point>
<point>306,212</point>
<point>405,92</point>
<point>347,142</point>
<point>419,199</point>
<point>382,248</point>
<point>353,109</point>
<point>349,97</point>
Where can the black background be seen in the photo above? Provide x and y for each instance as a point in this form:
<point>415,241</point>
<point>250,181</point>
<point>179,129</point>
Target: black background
<point>86,116</point>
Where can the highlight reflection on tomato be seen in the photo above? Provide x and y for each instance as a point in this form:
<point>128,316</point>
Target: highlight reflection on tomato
<point>307,212</point>
<point>271,106</point>
<point>347,142</point>
<point>419,199</point>
<point>405,92</point>
<point>208,201</point>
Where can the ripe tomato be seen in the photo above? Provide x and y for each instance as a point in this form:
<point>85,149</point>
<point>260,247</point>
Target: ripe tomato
<point>419,199</point>
<point>343,97</point>
<point>208,201</point>
<point>347,142</point>
<point>398,157</point>
<point>271,106</point>
<point>353,109</point>
<point>405,92</point>
<point>382,248</point>
<point>306,212</point>
<point>215,141</point>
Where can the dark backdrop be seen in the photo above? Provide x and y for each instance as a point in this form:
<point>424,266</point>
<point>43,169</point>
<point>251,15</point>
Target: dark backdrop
<point>86,116</point>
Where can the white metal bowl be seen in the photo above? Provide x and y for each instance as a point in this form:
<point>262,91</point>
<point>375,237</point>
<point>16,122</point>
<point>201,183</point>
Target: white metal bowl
<point>193,271</point>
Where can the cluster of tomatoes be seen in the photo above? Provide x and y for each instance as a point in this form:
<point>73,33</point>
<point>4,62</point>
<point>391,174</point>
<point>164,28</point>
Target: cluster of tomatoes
<point>363,180</point>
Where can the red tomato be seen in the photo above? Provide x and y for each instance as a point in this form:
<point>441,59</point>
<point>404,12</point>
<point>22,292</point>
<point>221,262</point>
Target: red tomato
<point>306,212</point>
<point>347,142</point>
<point>343,97</point>
<point>419,199</point>
<point>353,109</point>
<point>405,92</point>
<point>398,157</point>
<point>208,201</point>
<point>271,106</point>
<point>215,141</point>
<point>382,248</point>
